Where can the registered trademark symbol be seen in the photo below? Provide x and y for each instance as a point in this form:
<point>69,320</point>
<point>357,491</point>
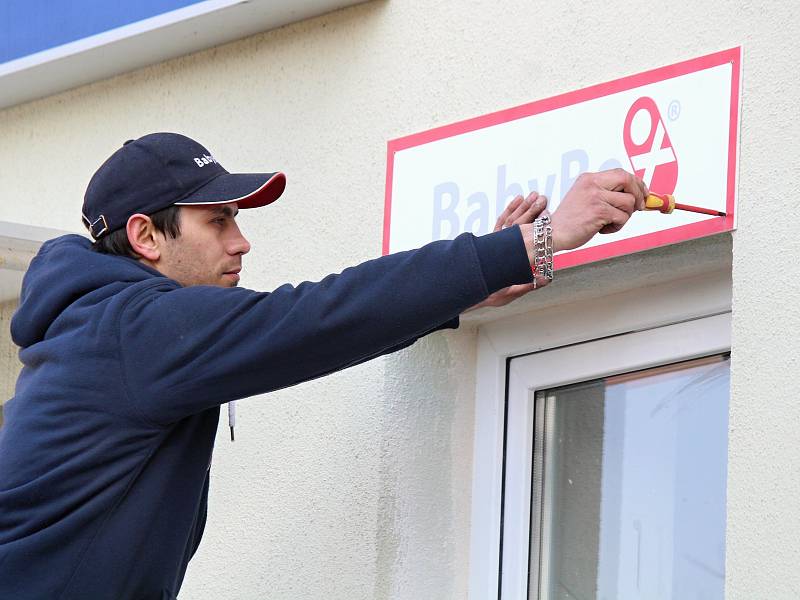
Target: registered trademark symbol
<point>674,110</point>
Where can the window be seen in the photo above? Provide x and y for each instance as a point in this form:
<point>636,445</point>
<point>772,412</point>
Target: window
<point>629,485</point>
<point>615,483</point>
<point>579,350</point>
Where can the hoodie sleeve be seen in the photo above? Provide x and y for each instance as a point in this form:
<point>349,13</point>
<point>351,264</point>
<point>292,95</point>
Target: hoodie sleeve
<point>184,350</point>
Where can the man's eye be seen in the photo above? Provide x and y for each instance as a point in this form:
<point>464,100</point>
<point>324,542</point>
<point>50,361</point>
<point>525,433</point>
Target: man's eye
<point>219,221</point>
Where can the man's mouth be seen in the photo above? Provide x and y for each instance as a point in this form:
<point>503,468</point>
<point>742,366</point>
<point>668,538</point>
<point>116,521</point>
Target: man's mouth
<point>233,274</point>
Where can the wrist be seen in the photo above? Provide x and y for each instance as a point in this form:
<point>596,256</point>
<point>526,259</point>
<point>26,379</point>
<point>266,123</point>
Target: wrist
<point>559,243</point>
<point>542,250</point>
<point>541,262</point>
<point>527,236</point>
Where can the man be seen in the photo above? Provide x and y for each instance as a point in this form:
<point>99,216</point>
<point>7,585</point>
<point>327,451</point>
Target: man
<point>130,345</point>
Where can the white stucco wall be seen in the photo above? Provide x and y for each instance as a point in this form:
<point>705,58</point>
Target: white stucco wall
<point>9,365</point>
<point>357,485</point>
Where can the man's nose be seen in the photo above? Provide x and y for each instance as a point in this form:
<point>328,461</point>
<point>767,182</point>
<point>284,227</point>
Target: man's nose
<point>240,245</point>
<point>243,246</point>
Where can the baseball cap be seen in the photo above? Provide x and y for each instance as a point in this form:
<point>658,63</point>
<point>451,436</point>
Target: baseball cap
<point>161,169</point>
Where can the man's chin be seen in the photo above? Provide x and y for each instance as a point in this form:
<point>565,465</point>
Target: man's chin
<point>224,284</point>
<point>230,279</point>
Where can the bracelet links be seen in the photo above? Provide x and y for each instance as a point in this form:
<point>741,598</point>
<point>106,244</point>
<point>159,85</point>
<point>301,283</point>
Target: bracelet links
<point>542,249</point>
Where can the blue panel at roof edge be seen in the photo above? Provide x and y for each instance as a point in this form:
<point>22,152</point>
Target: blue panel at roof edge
<point>30,26</point>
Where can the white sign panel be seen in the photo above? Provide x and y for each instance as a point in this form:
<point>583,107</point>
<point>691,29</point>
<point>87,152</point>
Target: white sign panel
<point>676,127</point>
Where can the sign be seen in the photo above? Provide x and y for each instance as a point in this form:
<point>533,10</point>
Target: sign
<point>47,47</point>
<point>676,127</point>
<point>38,25</point>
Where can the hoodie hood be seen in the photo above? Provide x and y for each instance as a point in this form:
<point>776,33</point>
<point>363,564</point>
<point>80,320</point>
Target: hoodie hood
<point>65,270</point>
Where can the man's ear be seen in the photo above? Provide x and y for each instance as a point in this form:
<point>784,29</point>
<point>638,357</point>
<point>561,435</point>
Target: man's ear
<point>143,237</point>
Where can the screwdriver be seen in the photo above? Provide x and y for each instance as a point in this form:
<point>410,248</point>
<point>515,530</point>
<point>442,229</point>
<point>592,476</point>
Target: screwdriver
<point>665,203</point>
<point>232,416</point>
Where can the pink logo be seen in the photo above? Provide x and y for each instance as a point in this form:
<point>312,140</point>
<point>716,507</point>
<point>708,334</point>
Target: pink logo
<point>649,147</point>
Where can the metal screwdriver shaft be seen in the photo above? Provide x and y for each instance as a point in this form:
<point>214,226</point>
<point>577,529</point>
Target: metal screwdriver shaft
<point>232,417</point>
<point>698,209</point>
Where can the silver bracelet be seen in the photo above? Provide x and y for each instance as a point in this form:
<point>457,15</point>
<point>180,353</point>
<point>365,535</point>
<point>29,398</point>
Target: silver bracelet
<point>542,249</point>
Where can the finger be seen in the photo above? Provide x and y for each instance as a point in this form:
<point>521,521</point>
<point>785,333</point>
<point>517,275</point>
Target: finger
<point>619,180</point>
<point>514,215</point>
<point>512,206</point>
<point>645,192</point>
<point>520,289</point>
<point>536,209</point>
<point>518,216</point>
<point>504,215</point>
<point>622,201</point>
<point>615,220</point>
<point>509,294</point>
<point>540,281</point>
<point>517,291</point>
<point>610,229</point>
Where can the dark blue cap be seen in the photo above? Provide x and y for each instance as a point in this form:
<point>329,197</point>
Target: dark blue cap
<point>162,169</point>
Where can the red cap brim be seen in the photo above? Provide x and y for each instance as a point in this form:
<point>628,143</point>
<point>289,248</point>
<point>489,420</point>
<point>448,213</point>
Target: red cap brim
<point>249,190</point>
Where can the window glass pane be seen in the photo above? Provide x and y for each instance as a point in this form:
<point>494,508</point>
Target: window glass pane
<point>633,501</point>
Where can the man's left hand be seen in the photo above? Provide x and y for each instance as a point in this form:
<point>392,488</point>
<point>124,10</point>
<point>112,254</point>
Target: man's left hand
<point>519,212</point>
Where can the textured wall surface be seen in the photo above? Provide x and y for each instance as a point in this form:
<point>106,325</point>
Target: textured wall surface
<point>357,485</point>
<point>9,363</point>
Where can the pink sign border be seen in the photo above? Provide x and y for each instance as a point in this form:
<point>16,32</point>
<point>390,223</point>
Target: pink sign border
<point>621,247</point>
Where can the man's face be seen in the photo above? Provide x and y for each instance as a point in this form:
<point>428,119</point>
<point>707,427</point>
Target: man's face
<point>209,249</point>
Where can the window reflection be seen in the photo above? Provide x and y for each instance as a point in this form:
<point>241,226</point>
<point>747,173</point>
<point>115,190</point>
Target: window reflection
<point>633,502</point>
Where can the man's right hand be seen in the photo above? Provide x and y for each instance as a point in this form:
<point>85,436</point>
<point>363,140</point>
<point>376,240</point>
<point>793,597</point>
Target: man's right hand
<point>597,203</point>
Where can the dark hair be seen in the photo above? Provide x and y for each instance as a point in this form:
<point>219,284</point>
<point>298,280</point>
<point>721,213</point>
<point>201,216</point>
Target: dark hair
<point>166,221</point>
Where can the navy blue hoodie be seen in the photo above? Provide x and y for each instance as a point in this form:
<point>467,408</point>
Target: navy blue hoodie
<point>106,447</point>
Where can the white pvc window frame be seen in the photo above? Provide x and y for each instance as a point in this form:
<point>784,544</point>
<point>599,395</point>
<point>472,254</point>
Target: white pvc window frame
<point>590,339</point>
<point>535,373</point>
